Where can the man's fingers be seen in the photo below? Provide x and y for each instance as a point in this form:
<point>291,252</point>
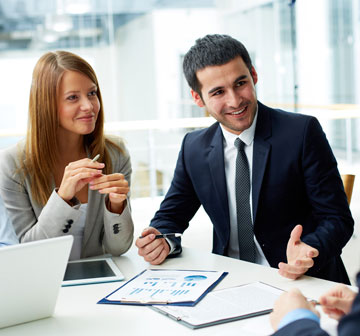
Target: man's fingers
<point>162,256</point>
<point>313,253</point>
<point>291,271</point>
<point>334,302</point>
<point>147,236</point>
<point>151,256</point>
<point>305,263</point>
<point>296,233</point>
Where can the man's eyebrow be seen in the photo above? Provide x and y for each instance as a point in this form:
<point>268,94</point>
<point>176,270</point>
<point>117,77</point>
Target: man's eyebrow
<point>240,78</point>
<point>220,87</point>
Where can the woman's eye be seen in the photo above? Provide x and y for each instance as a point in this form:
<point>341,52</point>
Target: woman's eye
<point>93,93</point>
<point>72,97</point>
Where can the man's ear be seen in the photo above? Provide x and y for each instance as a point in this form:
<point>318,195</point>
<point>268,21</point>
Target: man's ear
<point>254,75</point>
<point>197,99</point>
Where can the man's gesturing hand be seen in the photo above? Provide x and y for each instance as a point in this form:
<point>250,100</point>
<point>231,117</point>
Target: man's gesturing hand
<point>299,256</point>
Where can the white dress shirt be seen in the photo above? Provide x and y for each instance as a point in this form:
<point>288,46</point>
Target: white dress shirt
<point>230,153</point>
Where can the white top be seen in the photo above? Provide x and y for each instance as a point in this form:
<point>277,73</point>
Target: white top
<point>78,232</point>
<point>230,153</point>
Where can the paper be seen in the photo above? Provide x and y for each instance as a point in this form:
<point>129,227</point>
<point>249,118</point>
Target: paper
<point>166,286</point>
<point>235,302</point>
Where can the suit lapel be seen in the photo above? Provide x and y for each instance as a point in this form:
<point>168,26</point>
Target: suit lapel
<point>260,154</point>
<point>215,159</point>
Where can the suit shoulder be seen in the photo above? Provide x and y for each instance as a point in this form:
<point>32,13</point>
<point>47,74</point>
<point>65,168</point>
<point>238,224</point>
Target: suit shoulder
<point>202,135</point>
<point>119,154</point>
<point>291,116</point>
<point>116,146</point>
<point>291,120</point>
<point>12,156</point>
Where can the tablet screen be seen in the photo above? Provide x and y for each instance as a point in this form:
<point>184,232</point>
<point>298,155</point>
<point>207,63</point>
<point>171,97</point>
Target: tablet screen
<point>81,272</point>
<point>87,270</point>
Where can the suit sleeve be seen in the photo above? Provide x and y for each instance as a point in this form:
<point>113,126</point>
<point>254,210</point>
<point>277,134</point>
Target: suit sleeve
<point>180,203</point>
<point>119,229</point>
<point>15,192</point>
<point>330,210</point>
<point>302,327</point>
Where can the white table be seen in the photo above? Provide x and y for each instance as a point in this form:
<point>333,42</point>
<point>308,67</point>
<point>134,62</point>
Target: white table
<point>78,314</point>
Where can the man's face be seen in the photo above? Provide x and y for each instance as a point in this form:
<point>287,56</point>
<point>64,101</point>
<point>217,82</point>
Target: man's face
<point>228,93</point>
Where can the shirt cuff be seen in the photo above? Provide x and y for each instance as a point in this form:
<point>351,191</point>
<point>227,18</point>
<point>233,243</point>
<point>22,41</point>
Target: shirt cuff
<point>298,314</point>
<point>171,244</point>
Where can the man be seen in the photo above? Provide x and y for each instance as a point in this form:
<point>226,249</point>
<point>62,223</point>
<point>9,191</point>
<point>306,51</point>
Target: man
<point>282,165</point>
<point>294,315</point>
<point>7,233</point>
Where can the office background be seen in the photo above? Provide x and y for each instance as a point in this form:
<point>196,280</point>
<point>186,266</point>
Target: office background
<point>305,52</point>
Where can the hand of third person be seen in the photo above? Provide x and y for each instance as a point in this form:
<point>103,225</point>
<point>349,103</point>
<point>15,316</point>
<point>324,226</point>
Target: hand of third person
<point>337,301</point>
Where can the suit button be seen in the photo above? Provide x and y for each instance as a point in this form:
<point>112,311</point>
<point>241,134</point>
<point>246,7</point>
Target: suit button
<point>66,230</point>
<point>116,228</point>
<point>70,221</point>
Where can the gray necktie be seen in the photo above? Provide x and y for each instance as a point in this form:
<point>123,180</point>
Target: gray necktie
<point>242,191</point>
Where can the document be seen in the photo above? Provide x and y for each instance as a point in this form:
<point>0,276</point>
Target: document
<point>225,305</point>
<point>165,286</point>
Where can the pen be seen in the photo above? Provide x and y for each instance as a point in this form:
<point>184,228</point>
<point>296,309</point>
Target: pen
<point>95,158</point>
<point>315,302</point>
<point>166,235</point>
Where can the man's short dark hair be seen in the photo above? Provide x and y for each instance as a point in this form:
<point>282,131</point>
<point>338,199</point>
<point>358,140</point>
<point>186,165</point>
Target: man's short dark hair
<point>212,50</point>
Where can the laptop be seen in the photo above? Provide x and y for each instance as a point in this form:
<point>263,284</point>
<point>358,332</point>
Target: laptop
<point>30,278</point>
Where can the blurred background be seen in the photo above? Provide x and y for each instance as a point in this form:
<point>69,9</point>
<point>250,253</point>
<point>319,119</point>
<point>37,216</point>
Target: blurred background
<point>306,54</point>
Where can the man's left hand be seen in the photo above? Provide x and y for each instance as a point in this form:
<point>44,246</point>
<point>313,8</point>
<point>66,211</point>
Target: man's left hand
<point>299,256</point>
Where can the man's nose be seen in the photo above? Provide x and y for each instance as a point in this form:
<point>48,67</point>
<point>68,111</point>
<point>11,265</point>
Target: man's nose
<point>233,99</point>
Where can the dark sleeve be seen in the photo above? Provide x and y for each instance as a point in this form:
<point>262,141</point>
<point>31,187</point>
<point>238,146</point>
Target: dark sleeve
<point>302,327</point>
<point>330,210</point>
<point>180,203</point>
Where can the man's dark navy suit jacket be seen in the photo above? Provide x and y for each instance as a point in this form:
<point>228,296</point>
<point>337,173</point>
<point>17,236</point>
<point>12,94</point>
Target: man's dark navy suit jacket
<point>295,180</point>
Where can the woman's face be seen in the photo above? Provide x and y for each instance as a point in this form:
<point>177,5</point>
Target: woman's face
<point>78,104</point>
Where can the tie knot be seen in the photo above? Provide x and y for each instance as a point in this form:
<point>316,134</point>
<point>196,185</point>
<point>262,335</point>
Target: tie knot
<point>239,144</point>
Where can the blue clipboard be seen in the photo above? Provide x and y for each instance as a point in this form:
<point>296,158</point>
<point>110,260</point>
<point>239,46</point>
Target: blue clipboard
<point>105,300</point>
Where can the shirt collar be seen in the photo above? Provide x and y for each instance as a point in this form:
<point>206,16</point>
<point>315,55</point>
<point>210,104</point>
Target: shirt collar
<point>246,136</point>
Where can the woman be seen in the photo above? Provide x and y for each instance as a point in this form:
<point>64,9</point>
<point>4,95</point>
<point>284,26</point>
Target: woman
<point>49,183</point>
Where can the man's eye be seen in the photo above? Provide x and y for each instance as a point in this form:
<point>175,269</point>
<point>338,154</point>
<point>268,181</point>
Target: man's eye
<point>241,83</point>
<point>218,92</point>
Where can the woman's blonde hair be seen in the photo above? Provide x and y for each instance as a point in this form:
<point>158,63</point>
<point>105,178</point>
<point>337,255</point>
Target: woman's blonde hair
<point>41,148</point>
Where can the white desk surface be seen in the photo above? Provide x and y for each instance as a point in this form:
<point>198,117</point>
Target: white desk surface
<point>77,313</point>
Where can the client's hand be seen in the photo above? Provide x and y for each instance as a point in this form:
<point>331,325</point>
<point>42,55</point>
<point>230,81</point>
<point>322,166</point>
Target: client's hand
<point>288,301</point>
<point>337,301</point>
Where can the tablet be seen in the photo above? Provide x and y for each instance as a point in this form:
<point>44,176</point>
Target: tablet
<point>91,271</point>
